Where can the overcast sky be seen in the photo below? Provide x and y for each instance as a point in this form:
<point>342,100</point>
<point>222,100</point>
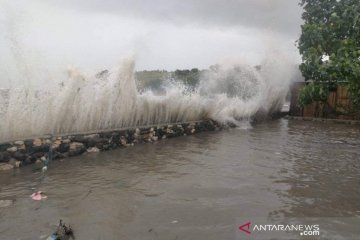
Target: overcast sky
<point>162,34</point>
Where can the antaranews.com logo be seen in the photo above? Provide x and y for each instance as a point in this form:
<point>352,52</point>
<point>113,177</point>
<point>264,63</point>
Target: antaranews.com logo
<point>302,229</point>
<point>329,228</point>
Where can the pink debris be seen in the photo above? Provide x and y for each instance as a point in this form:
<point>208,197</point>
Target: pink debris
<point>37,196</point>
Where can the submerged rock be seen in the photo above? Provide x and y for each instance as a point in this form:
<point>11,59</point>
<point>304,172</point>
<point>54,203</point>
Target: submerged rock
<point>18,164</point>
<point>93,150</point>
<point>97,142</point>
<point>19,143</point>
<point>38,161</point>
<point>66,141</point>
<point>37,142</point>
<point>22,147</point>
<point>12,149</point>
<point>56,144</point>
<point>106,147</point>
<point>76,148</point>
<point>40,149</point>
<point>15,163</point>
<point>19,155</point>
<point>64,147</point>
<point>28,143</point>
<point>92,136</point>
<point>137,132</point>
<point>123,141</point>
<point>38,155</point>
<point>4,156</point>
<point>5,166</point>
<point>4,146</point>
<point>28,151</point>
<point>29,160</point>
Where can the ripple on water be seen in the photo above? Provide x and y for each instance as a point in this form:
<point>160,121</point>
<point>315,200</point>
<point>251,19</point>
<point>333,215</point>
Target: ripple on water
<point>275,169</point>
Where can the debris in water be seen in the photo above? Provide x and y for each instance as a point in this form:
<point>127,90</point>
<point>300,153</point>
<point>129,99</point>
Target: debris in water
<point>87,194</point>
<point>63,232</point>
<point>37,196</point>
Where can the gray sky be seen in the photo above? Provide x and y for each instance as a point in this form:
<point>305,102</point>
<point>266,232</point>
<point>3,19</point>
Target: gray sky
<point>162,34</point>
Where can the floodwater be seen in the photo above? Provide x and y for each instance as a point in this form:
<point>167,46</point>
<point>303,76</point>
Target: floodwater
<point>194,187</point>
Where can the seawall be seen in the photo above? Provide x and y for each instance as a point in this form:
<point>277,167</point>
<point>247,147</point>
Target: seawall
<point>41,150</point>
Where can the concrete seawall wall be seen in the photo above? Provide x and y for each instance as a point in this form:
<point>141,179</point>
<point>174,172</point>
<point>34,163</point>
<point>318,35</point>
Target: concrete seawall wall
<point>41,150</point>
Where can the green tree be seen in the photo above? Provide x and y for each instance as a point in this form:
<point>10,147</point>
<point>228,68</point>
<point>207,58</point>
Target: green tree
<point>151,79</point>
<point>190,78</point>
<point>330,47</point>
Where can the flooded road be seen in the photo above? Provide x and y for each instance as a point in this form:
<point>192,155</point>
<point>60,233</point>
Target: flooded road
<point>193,187</point>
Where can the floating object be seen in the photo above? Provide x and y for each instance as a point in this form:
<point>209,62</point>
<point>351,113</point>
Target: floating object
<point>44,169</point>
<point>38,196</point>
<point>63,232</point>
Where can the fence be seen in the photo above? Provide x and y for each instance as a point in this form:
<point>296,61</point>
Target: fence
<point>338,105</point>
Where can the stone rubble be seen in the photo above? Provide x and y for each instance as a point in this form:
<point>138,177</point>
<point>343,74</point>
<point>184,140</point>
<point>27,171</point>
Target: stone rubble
<point>23,152</point>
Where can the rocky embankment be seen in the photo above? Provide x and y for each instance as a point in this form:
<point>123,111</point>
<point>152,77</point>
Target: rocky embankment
<point>40,150</point>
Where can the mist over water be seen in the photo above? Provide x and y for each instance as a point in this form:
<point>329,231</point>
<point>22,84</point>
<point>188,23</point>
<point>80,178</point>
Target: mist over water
<point>110,100</point>
<point>37,98</point>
